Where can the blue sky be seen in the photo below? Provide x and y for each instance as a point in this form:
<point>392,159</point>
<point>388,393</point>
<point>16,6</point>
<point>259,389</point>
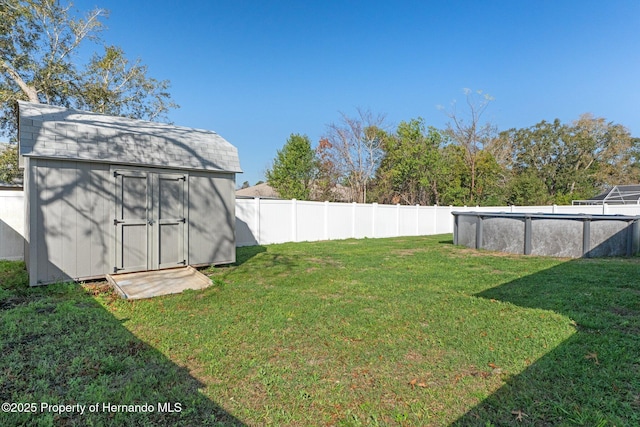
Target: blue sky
<point>257,71</point>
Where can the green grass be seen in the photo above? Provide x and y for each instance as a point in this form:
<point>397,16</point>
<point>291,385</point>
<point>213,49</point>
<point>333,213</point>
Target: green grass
<point>404,331</point>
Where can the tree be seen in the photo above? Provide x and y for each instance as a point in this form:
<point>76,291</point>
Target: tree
<point>470,134</point>
<point>527,189</point>
<point>9,163</point>
<point>571,161</point>
<point>543,153</point>
<point>355,150</point>
<point>454,188</point>
<point>325,186</point>
<point>39,43</point>
<point>114,86</point>
<point>294,168</point>
<point>410,170</point>
<point>607,149</point>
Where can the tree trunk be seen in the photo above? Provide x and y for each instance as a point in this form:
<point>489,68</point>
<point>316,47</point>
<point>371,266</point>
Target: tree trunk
<point>30,91</point>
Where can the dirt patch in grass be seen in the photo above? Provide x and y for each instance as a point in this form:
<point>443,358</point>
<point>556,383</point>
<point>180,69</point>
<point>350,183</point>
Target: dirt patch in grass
<point>408,252</point>
<point>469,252</point>
<point>624,311</point>
<point>11,302</point>
<point>320,263</point>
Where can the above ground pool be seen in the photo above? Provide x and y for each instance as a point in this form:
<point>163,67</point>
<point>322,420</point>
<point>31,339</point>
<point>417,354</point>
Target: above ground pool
<point>561,235</point>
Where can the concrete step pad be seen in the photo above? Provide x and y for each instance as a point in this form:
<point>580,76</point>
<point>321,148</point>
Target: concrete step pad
<point>148,284</point>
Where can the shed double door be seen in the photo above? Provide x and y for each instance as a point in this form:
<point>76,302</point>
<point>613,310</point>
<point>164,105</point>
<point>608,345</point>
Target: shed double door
<point>150,220</point>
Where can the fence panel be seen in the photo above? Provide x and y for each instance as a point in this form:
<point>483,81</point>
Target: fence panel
<point>408,220</point>
<point>340,221</point>
<point>386,220</point>
<point>266,221</point>
<point>443,221</point>
<point>622,209</point>
<point>276,222</point>
<point>362,220</point>
<point>311,222</point>
<point>247,222</point>
<point>12,225</point>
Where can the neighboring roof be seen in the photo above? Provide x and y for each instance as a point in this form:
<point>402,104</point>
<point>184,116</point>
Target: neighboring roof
<point>263,190</point>
<point>617,195</point>
<point>338,193</point>
<point>59,133</point>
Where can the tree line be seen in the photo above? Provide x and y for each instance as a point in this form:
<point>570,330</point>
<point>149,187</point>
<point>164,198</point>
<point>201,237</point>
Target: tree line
<point>469,162</point>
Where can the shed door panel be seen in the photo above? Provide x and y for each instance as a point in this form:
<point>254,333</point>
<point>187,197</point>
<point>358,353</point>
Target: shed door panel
<point>169,229</point>
<point>150,220</point>
<point>132,201</point>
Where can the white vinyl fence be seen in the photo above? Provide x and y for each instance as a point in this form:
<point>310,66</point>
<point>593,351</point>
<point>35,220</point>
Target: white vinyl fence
<point>266,221</point>
<point>12,225</point>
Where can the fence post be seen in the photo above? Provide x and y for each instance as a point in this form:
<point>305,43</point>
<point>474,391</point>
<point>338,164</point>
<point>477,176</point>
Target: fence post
<point>417,220</point>
<point>435,219</point>
<point>256,223</point>
<point>374,207</point>
<point>326,220</point>
<point>353,220</point>
<point>294,220</point>
<point>397,219</point>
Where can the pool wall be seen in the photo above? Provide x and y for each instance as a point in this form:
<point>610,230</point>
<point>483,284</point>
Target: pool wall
<point>561,235</point>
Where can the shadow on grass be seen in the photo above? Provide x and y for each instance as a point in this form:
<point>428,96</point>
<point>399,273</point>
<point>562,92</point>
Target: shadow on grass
<point>245,253</point>
<point>271,263</point>
<point>59,346</point>
<point>591,379</point>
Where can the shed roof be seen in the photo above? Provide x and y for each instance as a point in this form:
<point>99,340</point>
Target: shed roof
<point>60,133</point>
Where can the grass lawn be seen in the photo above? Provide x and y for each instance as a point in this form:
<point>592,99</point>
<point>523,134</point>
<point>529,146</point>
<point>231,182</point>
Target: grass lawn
<point>399,332</point>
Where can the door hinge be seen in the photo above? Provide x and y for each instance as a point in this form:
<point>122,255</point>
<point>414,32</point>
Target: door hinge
<point>116,269</point>
<point>116,222</point>
<point>184,262</point>
<point>183,220</point>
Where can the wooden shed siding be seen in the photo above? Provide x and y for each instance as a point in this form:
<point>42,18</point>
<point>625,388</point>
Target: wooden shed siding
<point>28,179</point>
<point>71,206</point>
<point>211,218</point>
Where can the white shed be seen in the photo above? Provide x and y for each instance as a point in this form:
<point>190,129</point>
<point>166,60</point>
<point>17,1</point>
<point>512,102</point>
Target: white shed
<point>110,195</point>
